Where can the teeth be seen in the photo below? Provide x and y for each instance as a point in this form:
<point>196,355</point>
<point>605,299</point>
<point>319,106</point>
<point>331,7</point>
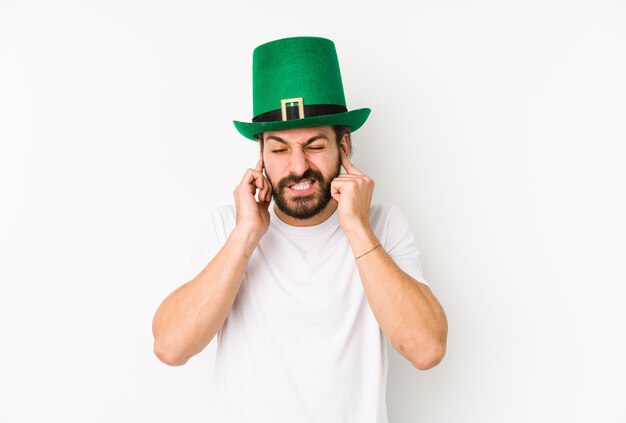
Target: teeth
<point>301,186</point>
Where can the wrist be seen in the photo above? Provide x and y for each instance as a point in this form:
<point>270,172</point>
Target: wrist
<point>245,239</point>
<point>358,231</point>
<point>362,239</point>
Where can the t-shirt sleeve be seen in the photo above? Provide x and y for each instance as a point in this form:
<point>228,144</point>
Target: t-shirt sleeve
<point>212,237</point>
<point>400,244</point>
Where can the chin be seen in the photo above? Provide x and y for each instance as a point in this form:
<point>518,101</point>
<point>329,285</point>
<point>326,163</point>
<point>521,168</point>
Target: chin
<point>298,210</point>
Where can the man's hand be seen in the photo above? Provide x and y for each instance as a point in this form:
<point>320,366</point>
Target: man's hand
<point>190,316</point>
<point>253,215</point>
<point>407,312</point>
<point>353,191</point>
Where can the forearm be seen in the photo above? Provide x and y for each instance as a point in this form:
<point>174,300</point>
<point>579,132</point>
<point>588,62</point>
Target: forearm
<point>408,313</point>
<point>189,318</point>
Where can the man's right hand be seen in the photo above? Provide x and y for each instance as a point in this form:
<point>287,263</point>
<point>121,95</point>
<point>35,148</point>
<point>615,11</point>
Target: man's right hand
<point>253,216</point>
<point>192,315</point>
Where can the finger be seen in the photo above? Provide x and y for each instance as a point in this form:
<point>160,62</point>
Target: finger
<point>265,194</point>
<point>270,190</point>
<point>336,186</point>
<point>259,166</point>
<point>258,180</point>
<point>347,177</point>
<point>348,166</point>
<point>335,189</point>
<point>253,180</point>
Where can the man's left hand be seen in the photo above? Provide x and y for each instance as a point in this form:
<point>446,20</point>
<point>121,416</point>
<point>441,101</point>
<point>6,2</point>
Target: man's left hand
<point>353,192</point>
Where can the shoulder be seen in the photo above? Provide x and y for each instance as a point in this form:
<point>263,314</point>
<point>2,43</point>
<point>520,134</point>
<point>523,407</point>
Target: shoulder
<point>218,224</point>
<point>381,213</point>
<point>225,212</point>
<point>220,220</point>
<point>388,222</point>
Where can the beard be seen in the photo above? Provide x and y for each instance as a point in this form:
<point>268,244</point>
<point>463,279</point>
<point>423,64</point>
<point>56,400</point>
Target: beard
<point>304,206</point>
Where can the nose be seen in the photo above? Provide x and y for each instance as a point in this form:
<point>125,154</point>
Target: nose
<point>298,163</point>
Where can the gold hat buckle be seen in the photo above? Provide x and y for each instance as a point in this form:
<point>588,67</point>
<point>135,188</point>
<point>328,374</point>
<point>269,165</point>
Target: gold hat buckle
<point>283,106</point>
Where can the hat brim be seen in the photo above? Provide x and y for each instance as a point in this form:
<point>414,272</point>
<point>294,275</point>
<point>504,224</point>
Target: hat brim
<point>353,119</point>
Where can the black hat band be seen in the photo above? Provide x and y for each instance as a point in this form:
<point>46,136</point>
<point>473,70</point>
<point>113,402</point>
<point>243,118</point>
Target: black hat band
<point>293,112</point>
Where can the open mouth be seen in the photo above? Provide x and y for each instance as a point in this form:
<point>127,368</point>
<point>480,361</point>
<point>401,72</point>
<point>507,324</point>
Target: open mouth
<point>303,187</point>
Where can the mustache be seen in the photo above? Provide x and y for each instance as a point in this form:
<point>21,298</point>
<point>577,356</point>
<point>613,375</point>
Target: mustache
<point>294,179</point>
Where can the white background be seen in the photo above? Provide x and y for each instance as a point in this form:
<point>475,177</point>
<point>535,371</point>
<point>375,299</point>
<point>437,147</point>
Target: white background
<point>498,127</point>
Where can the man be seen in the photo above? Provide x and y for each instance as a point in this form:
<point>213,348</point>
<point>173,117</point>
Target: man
<point>303,292</point>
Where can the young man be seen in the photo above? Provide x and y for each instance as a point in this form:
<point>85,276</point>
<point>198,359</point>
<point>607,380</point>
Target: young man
<point>304,291</point>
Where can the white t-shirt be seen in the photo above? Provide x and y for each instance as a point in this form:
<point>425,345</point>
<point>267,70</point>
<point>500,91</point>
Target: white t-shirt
<point>301,343</point>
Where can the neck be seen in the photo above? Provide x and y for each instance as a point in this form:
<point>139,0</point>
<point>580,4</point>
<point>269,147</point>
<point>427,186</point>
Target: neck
<point>315,220</point>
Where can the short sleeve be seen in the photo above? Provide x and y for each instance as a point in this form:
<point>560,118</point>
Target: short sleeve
<point>400,243</point>
<point>212,237</point>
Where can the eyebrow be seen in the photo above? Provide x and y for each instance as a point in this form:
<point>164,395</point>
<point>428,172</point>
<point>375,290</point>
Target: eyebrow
<point>307,142</point>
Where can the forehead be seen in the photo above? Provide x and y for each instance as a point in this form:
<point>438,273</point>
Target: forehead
<point>300,135</point>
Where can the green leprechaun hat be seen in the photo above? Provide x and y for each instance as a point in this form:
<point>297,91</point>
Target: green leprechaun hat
<point>296,83</point>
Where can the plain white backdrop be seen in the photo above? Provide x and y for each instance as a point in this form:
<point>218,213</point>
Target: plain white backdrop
<point>497,127</point>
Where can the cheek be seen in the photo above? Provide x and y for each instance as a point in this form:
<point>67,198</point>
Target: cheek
<point>323,161</point>
<point>327,165</point>
<point>273,169</point>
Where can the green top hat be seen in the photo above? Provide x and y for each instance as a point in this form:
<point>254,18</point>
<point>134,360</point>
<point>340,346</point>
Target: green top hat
<point>296,83</point>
